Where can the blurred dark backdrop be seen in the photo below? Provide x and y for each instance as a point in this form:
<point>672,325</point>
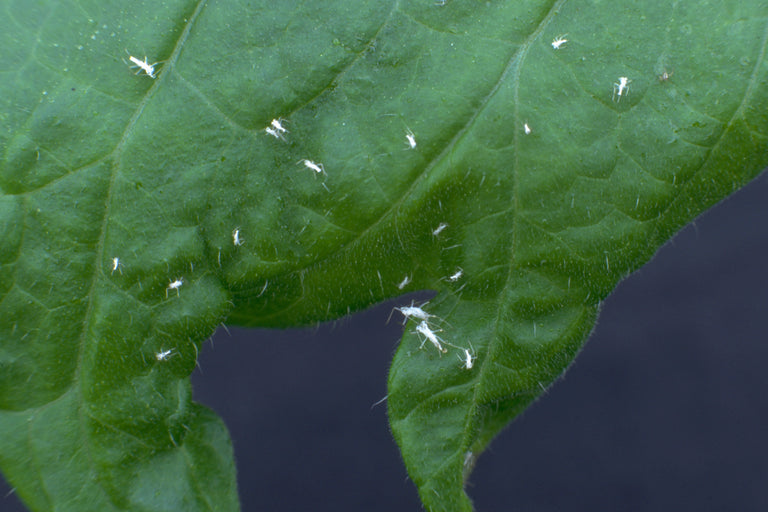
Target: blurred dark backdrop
<point>665,409</point>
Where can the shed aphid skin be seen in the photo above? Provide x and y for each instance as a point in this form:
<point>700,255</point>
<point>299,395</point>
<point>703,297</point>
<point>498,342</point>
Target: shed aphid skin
<point>174,285</point>
<point>163,355</point>
<point>143,65</point>
<point>236,238</point>
<point>468,360</point>
<point>526,128</point>
<point>456,275</point>
<point>665,76</point>
<point>621,88</point>
<point>424,329</point>
<point>439,229</point>
<point>116,265</point>
<point>559,41</point>
<point>405,282</point>
<point>411,139</point>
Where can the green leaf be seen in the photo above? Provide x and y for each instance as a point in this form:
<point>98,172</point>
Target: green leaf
<point>120,197</point>
<point>594,189</point>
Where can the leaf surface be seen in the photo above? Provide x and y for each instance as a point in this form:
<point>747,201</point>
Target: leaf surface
<point>139,213</point>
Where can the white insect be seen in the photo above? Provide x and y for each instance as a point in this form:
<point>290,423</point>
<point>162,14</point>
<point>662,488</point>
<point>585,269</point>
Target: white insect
<point>620,88</point>
<point>468,360</point>
<point>277,124</point>
<point>116,264</point>
<point>143,65</point>
<point>163,355</point>
<point>439,229</point>
<point>412,311</point>
<point>456,275</point>
<point>174,285</point>
<point>271,131</point>
<point>318,168</point>
<point>411,138</point>
<point>406,280</point>
<point>559,41</point>
<point>236,238</point>
<point>527,129</point>
<point>429,334</point>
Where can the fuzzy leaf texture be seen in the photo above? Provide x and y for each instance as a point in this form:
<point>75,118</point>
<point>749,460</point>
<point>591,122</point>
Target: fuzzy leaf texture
<point>138,213</point>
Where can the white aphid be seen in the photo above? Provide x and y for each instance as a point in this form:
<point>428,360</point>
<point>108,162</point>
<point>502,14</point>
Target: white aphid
<point>559,41</point>
<point>429,334</point>
<point>468,360</point>
<point>621,87</point>
<point>143,65</point>
<point>174,285</point>
<point>318,168</point>
<point>278,126</point>
<point>411,138</point>
<point>163,355</point>
<point>236,238</point>
<point>527,129</point>
<point>116,264</point>
<point>456,275</point>
<point>271,131</point>
<point>439,229</point>
<point>405,282</point>
<point>416,312</point>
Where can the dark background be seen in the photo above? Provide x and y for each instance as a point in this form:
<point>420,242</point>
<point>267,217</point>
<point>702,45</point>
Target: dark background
<point>665,409</point>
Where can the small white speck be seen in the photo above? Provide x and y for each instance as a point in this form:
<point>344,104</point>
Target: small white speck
<point>405,282</point>
<point>236,238</point>
<point>527,129</point>
<point>116,264</point>
<point>411,138</point>
<point>439,229</point>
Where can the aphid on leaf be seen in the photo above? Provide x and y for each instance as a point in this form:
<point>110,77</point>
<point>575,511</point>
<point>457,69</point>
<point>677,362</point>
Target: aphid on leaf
<point>236,238</point>
<point>143,65</point>
<point>174,285</point>
<point>424,329</point>
<point>559,41</point>
<point>439,229</point>
<point>271,131</point>
<point>318,168</point>
<point>411,139</point>
<point>412,311</point>
<point>468,360</point>
<point>277,124</point>
<point>116,264</point>
<point>163,355</point>
<point>620,88</point>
